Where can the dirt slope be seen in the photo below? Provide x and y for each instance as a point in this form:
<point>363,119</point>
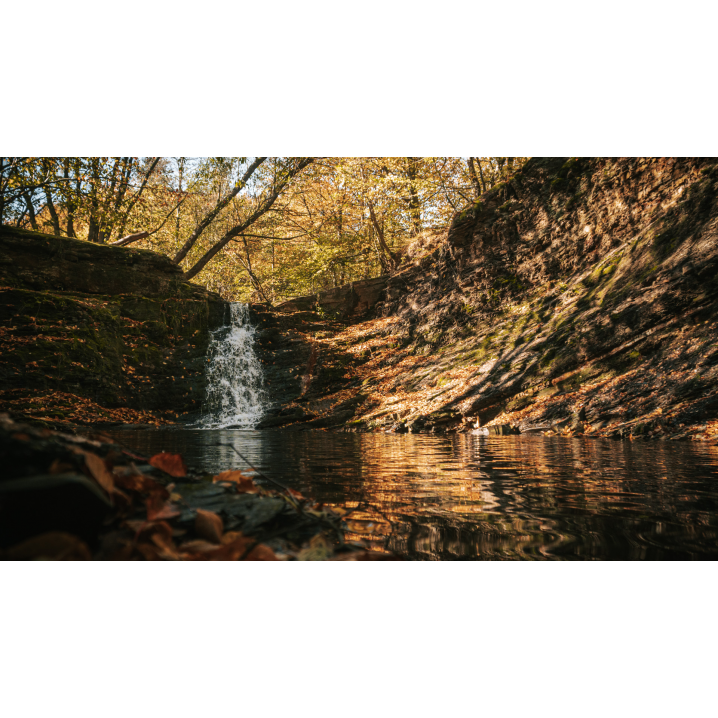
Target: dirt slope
<point>580,297</point>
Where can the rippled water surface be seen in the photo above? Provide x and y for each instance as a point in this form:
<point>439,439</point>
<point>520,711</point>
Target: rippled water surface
<point>469,497</point>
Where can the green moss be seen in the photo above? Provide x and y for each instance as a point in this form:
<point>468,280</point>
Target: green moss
<point>547,358</point>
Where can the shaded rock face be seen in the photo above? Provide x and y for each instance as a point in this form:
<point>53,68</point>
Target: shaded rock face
<point>299,365</point>
<point>352,301</point>
<point>118,326</point>
<point>30,260</point>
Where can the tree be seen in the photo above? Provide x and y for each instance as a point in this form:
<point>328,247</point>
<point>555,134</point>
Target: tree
<point>251,228</point>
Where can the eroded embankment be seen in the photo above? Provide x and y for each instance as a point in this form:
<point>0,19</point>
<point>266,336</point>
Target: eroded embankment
<point>91,333</point>
<point>580,297</point>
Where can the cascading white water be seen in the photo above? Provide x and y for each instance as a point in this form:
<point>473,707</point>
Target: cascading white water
<point>235,396</point>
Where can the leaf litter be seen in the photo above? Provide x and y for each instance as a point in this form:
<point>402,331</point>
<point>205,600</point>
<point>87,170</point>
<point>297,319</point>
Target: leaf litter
<point>155,508</point>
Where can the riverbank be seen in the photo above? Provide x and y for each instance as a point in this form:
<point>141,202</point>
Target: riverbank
<point>93,333</point>
<point>579,298</point>
<point>70,497</point>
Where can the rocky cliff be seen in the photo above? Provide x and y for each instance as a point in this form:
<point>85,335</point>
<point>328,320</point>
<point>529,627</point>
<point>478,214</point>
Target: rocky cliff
<point>579,297</point>
<point>90,332</point>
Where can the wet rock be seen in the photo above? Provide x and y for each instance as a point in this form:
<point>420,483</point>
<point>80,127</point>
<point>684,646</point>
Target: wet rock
<point>502,430</point>
<point>67,502</point>
<point>253,511</point>
<point>329,420</point>
<point>415,425</point>
<point>285,416</point>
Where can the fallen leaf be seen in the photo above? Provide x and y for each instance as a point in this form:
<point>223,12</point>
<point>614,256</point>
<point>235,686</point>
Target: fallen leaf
<point>140,483</point>
<point>244,483</point>
<point>234,546</point>
<point>197,545</point>
<point>208,525</point>
<point>172,464</point>
<point>158,508</point>
<point>97,469</point>
<point>154,541</point>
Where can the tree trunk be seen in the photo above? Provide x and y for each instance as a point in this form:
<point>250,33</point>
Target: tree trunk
<point>30,211</point>
<point>475,180</point>
<point>50,205</point>
<point>414,204</point>
<point>93,230</point>
<point>180,166</point>
<point>392,258</point>
<point>69,205</point>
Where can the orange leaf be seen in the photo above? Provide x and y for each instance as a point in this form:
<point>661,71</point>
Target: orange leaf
<point>262,553</point>
<point>245,485</point>
<point>234,545</point>
<point>208,525</point>
<point>154,541</point>
<point>295,494</point>
<point>141,484</point>
<point>97,469</point>
<point>197,546</point>
<point>172,464</point>
<point>157,508</point>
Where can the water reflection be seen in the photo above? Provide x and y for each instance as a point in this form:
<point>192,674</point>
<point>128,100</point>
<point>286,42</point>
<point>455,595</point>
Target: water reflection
<point>464,496</point>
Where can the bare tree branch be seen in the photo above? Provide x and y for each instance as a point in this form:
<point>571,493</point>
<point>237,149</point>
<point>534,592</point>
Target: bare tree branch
<point>263,208</point>
<point>221,204</point>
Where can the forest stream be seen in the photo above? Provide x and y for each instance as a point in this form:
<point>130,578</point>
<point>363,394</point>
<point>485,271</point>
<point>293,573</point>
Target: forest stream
<point>535,378</point>
<point>456,496</point>
<point>471,497</point>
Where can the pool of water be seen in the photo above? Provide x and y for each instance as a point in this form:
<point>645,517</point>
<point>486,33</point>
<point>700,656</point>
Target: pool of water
<point>470,497</point>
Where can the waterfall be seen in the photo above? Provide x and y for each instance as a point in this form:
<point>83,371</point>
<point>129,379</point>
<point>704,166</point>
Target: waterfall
<point>235,397</point>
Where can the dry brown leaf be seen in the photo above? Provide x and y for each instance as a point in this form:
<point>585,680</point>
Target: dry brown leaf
<point>140,483</point>
<point>172,464</point>
<point>234,546</point>
<point>261,553</point>
<point>244,483</point>
<point>97,468</point>
<point>158,508</point>
<point>197,545</point>
<point>154,541</point>
<point>208,525</point>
